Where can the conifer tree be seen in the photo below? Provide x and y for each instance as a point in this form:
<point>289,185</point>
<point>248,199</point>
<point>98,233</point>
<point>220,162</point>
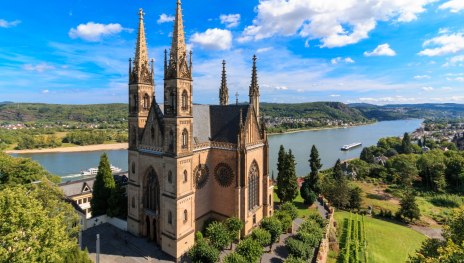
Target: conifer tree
<point>337,172</point>
<point>406,146</point>
<point>287,185</point>
<point>104,184</point>
<point>315,165</point>
<point>409,210</point>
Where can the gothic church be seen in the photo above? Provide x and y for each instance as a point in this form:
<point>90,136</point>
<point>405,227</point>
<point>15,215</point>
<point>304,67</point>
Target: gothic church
<point>189,163</point>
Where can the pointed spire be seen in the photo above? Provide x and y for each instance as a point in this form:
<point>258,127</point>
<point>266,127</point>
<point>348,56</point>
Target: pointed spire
<point>254,87</point>
<point>178,47</point>
<point>224,91</point>
<point>141,54</point>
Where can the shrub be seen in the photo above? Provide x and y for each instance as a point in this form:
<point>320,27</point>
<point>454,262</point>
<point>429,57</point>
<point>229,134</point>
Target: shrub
<point>201,252</point>
<point>310,239</point>
<point>273,225</point>
<point>447,200</point>
<point>285,219</point>
<point>234,258</point>
<point>290,209</point>
<point>262,236</point>
<point>298,248</point>
<point>294,260</point>
<point>234,226</point>
<point>218,235</point>
<point>250,249</point>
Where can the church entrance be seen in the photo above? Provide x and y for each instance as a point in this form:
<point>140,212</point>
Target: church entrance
<point>151,204</point>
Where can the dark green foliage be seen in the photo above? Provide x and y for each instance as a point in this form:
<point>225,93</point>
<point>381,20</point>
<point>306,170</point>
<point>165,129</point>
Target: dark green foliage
<point>117,203</point>
<point>355,198</point>
<point>367,155</point>
<point>287,186</point>
<point>409,211</point>
<point>292,259</point>
<point>104,184</point>
<point>308,196</point>
<point>432,167</point>
<point>86,137</point>
<point>406,146</point>
<point>336,188</point>
<point>201,252</point>
<point>290,209</point>
<point>273,226</point>
<point>234,257</point>
<point>37,142</point>
<point>234,226</point>
<point>447,200</point>
<point>218,235</point>
<point>285,219</point>
<point>315,165</point>
<point>403,170</point>
<point>337,171</point>
<point>298,248</point>
<point>77,256</point>
<point>250,249</point>
<point>262,236</point>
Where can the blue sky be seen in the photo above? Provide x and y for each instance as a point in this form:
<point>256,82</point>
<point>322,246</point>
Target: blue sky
<point>380,52</point>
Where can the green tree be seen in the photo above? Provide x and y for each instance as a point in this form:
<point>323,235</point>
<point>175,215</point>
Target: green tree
<point>234,226</point>
<point>262,236</point>
<point>367,155</point>
<point>285,219</point>
<point>307,194</point>
<point>234,257</point>
<point>117,203</point>
<point>355,197</point>
<point>403,170</point>
<point>290,209</point>
<point>102,187</point>
<point>32,230</point>
<point>406,146</point>
<point>250,249</point>
<point>409,210</point>
<point>337,171</point>
<point>432,170</point>
<point>201,252</point>
<point>273,226</point>
<point>455,170</point>
<point>218,235</point>
<point>315,165</point>
<point>287,185</point>
<point>298,248</point>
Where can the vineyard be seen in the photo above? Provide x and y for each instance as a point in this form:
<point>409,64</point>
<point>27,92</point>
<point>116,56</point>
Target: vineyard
<point>353,242</point>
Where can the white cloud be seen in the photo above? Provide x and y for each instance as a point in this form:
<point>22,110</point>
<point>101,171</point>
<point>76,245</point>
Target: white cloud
<point>455,61</point>
<point>454,5</point>
<point>422,77</point>
<point>38,68</point>
<point>336,23</point>
<point>165,19</point>
<point>7,24</point>
<point>459,79</point>
<point>281,88</point>
<point>427,88</point>
<point>214,39</point>
<point>443,44</point>
<point>231,20</point>
<point>264,49</point>
<point>338,60</point>
<point>394,99</point>
<point>381,50</point>
<point>94,31</point>
<point>334,95</point>
<point>45,91</point>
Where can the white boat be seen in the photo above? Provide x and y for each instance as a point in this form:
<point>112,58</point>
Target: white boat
<point>350,146</point>
<point>94,171</point>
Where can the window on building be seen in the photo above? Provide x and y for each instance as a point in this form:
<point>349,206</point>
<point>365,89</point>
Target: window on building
<point>170,217</point>
<point>170,177</point>
<point>185,138</point>
<point>253,186</point>
<point>254,219</point>
<point>185,176</point>
<point>184,100</point>
<point>146,102</point>
<point>79,201</point>
<point>185,215</point>
<point>270,200</point>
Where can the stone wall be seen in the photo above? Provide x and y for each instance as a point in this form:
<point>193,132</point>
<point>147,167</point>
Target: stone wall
<point>95,221</point>
<point>323,249</point>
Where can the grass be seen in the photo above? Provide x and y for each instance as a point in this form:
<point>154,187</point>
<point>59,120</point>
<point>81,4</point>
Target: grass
<point>386,241</point>
<point>303,210</point>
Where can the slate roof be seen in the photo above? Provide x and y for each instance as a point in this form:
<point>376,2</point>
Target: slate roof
<point>74,188</point>
<point>216,122</point>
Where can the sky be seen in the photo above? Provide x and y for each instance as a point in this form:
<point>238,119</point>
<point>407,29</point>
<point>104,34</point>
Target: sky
<point>353,51</point>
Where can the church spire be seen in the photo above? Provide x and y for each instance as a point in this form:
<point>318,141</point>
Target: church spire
<point>254,88</point>
<point>178,66</point>
<point>141,72</point>
<point>224,91</point>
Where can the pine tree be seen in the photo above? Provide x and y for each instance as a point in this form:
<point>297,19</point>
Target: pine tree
<point>102,187</point>
<point>367,155</point>
<point>287,185</point>
<point>337,172</point>
<point>409,210</point>
<point>406,146</point>
<point>315,165</point>
<point>281,163</point>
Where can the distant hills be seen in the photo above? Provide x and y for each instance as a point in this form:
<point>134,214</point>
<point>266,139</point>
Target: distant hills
<point>117,113</point>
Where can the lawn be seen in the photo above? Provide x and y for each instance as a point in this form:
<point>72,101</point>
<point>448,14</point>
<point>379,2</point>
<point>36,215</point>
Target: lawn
<point>303,210</point>
<point>386,241</point>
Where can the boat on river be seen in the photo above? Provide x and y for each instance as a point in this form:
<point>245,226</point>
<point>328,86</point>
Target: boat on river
<point>350,146</point>
<point>94,171</point>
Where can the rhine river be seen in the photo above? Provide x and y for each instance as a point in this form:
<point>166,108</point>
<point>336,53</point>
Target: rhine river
<point>327,141</point>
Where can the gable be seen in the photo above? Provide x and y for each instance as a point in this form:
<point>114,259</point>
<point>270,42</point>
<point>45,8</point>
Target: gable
<point>153,132</point>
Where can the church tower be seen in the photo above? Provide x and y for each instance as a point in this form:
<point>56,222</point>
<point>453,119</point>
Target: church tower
<point>254,88</point>
<point>224,91</point>
<point>141,87</point>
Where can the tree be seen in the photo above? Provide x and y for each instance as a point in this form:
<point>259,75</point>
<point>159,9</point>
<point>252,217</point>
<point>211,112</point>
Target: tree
<point>307,194</point>
<point>406,146</point>
<point>366,155</point>
<point>262,236</point>
<point>355,197</point>
<point>315,165</point>
<point>250,249</point>
<point>337,171</point>
<point>34,230</point>
<point>274,227</point>
<point>432,170</point>
<point>336,188</point>
<point>409,210</point>
<point>290,209</point>
<point>117,203</point>
<point>403,169</point>
<point>298,248</point>
<point>102,187</point>
<point>234,257</point>
<point>201,252</point>
<point>287,185</point>
<point>285,220</point>
<point>234,226</point>
<point>218,235</point>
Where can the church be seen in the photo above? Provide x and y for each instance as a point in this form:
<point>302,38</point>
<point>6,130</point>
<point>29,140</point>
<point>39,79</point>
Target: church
<point>190,163</point>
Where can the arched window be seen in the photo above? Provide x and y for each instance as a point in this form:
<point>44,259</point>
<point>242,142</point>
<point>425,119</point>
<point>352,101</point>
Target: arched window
<point>184,100</point>
<point>170,177</point>
<point>253,186</point>
<point>152,191</point>
<point>146,101</point>
<point>185,176</point>
<point>185,215</point>
<point>170,217</point>
<point>185,138</point>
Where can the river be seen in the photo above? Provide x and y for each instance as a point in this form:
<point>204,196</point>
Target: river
<point>327,141</point>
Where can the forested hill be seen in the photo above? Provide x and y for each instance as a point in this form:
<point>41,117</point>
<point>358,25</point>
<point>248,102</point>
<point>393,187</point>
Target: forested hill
<point>404,111</point>
<point>36,112</point>
<point>314,110</point>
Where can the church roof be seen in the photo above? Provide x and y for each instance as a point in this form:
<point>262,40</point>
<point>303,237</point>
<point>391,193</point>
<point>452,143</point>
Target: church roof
<point>216,122</point>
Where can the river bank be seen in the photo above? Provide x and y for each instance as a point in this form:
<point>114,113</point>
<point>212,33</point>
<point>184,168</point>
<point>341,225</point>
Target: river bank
<point>290,131</point>
<point>86,148</point>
